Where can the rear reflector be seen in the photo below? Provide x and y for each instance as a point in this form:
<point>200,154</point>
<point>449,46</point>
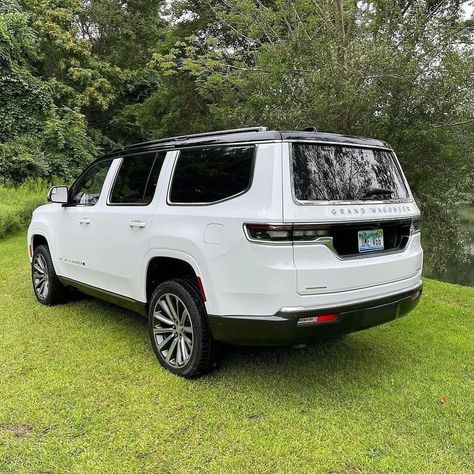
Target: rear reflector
<point>30,250</point>
<point>201,289</point>
<point>322,318</point>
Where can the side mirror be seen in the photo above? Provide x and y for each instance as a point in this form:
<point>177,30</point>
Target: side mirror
<point>58,194</point>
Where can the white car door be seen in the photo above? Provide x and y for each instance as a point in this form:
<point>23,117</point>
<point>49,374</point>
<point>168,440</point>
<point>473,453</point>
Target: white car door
<point>73,224</point>
<point>122,224</point>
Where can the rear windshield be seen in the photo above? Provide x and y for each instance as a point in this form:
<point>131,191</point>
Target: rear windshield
<point>342,173</point>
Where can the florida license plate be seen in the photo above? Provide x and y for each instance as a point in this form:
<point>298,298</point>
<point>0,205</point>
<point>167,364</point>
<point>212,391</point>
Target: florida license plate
<point>370,240</point>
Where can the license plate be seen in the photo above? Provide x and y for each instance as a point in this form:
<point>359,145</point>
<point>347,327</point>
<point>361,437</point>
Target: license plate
<point>370,240</point>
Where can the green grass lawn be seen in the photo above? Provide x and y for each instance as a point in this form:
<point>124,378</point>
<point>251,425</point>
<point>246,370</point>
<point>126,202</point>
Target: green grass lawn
<point>81,391</point>
<point>17,204</point>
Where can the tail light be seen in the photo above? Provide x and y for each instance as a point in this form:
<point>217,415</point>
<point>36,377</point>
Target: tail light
<point>269,232</point>
<point>308,232</point>
<point>286,233</point>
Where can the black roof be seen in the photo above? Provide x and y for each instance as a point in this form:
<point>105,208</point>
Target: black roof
<point>248,135</point>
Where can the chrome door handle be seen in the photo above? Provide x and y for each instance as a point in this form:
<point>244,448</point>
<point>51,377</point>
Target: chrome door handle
<point>84,220</point>
<point>138,224</point>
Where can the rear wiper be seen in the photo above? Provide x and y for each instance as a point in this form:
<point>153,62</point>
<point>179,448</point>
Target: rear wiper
<point>376,192</point>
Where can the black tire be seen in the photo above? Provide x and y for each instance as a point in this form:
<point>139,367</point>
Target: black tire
<point>170,335</point>
<point>53,291</point>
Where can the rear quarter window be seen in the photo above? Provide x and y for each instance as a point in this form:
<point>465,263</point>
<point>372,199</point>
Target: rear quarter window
<point>208,175</point>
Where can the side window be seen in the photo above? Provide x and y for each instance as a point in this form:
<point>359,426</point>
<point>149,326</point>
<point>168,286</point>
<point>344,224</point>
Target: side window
<point>206,175</point>
<point>136,180</point>
<point>86,190</point>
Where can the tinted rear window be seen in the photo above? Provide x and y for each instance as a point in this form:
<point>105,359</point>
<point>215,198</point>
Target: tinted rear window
<point>341,173</point>
<point>206,175</point>
<point>136,179</point>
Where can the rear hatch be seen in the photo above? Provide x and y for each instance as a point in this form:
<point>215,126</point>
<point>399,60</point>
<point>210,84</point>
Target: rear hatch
<point>352,216</point>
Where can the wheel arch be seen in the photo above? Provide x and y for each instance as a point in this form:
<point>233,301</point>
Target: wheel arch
<point>35,238</point>
<point>38,239</point>
<point>168,265</point>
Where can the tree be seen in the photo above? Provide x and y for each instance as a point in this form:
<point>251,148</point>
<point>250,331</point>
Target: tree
<point>38,136</point>
<point>400,71</point>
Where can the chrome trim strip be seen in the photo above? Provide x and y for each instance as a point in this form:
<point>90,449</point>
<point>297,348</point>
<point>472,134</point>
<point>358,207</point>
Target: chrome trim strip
<point>296,309</point>
<point>380,253</point>
<point>362,287</point>
<point>328,241</point>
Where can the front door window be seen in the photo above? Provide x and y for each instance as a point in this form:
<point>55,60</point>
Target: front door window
<point>86,190</point>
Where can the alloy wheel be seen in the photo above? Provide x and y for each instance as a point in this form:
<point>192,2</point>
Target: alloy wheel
<point>40,276</point>
<point>173,330</point>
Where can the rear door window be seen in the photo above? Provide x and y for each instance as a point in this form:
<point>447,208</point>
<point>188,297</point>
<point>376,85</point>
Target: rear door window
<point>136,179</point>
<point>342,173</point>
<point>207,175</point>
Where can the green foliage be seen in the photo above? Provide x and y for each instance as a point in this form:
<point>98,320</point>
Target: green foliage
<point>443,234</point>
<point>18,203</point>
<point>16,37</point>
<point>68,146</point>
<point>122,32</point>
<point>23,103</point>
<point>24,97</point>
<point>37,139</point>
<point>21,159</point>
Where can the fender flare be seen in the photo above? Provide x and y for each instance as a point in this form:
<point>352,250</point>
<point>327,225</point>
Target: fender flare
<point>199,270</point>
<point>37,230</point>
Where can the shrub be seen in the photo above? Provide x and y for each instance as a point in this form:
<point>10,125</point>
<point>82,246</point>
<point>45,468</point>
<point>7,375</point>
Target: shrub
<point>18,203</point>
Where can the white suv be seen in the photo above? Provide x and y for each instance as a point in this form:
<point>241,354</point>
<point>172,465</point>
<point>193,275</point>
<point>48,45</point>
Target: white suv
<point>247,236</point>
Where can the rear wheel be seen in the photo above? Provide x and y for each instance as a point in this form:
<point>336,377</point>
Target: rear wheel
<point>179,330</point>
<point>46,285</point>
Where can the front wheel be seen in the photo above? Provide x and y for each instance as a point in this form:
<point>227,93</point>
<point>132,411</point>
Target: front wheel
<point>46,285</point>
<point>179,330</point>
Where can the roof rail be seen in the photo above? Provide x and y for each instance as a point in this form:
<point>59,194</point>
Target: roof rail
<point>197,135</point>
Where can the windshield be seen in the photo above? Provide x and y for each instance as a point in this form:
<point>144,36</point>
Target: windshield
<point>343,173</point>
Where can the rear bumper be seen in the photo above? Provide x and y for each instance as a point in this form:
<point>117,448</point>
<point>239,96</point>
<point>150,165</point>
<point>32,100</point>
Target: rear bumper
<point>282,328</point>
